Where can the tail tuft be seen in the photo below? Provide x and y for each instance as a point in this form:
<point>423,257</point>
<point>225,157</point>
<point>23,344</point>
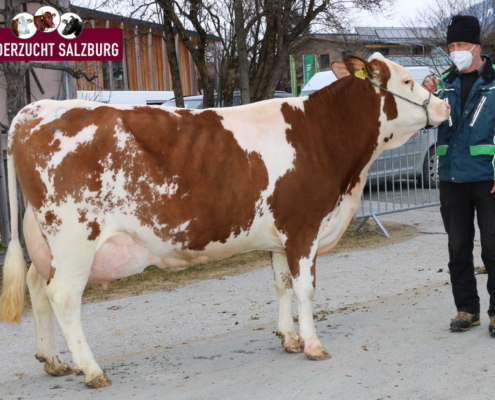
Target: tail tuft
<point>14,283</point>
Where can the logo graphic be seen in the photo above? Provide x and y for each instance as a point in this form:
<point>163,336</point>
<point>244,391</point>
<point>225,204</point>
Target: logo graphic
<point>46,19</point>
<point>22,26</point>
<point>47,36</point>
<point>71,26</point>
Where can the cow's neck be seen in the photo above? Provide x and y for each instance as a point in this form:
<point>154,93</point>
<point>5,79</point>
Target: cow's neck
<point>330,134</point>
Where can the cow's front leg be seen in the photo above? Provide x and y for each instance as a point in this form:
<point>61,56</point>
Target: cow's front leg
<point>286,331</point>
<point>43,317</point>
<point>65,294</point>
<point>303,281</point>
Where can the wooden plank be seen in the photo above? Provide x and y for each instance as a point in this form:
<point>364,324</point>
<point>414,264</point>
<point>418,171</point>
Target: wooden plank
<point>158,60</point>
<point>144,59</point>
<point>131,56</point>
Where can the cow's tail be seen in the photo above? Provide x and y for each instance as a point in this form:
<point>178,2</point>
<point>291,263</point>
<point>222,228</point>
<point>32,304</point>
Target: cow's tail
<point>14,268</point>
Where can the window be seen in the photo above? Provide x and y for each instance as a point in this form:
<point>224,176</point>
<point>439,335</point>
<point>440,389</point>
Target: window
<point>113,75</point>
<point>324,61</point>
<point>106,75</point>
<point>118,75</point>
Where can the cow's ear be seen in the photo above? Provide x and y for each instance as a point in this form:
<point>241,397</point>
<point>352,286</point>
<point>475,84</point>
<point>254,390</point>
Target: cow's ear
<point>339,69</point>
<point>358,67</point>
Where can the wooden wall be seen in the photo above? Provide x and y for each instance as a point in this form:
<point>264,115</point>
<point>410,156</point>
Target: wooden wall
<point>145,64</point>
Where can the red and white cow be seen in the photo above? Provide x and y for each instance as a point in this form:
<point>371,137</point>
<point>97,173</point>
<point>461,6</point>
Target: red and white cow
<point>20,26</point>
<point>110,190</point>
<point>44,21</point>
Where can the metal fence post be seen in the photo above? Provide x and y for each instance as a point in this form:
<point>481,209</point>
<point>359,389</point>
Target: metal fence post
<point>4,205</point>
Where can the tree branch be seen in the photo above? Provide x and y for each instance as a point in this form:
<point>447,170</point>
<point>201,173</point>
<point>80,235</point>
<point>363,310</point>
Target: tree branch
<point>71,71</point>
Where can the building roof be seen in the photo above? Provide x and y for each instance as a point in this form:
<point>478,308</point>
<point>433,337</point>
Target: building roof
<point>391,35</point>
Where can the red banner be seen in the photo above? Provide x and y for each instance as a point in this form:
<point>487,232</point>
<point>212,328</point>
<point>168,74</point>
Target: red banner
<point>93,44</point>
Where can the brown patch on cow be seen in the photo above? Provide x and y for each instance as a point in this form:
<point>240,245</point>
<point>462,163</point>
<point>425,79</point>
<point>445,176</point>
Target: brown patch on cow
<point>334,138</point>
<point>51,222</point>
<point>313,272</point>
<point>94,227</point>
<point>52,274</point>
<point>287,279</point>
<point>389,105</point>
<point>217,183</point>
<point>213,184</point>
<point>82,216</point>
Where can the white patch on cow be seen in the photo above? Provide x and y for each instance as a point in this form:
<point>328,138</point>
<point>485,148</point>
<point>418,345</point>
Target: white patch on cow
<point>70,144</point>
<point>167,189</point>
<point>261,128</point>
<point>181,228</point>
<point>121,135</point>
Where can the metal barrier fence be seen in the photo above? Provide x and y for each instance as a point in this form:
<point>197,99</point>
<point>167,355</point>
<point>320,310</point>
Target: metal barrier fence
<point>4,208</point>
<point>402,179</point>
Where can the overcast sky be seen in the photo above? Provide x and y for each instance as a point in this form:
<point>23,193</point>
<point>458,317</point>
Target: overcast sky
<point>402,9</point>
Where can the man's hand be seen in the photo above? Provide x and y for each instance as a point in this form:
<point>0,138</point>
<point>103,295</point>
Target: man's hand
<point>430,84</point>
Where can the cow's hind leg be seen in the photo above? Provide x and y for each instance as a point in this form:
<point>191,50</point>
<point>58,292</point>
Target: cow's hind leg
<point>286,331</point>
<point>303,281</point>
<point>43,318</point>
<point>65,291</point>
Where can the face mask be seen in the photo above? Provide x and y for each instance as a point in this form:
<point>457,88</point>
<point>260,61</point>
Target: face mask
<point>462,59</point>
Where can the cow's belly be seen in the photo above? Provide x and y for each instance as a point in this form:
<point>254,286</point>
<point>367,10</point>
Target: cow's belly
<point>336,223</point>
<point>121,254</point>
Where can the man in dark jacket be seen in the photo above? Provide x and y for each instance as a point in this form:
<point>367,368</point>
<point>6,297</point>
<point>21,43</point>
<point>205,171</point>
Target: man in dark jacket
<point>466,157</point>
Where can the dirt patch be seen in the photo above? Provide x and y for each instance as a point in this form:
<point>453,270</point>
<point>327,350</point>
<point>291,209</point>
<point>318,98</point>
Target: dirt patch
<point>154,279</point>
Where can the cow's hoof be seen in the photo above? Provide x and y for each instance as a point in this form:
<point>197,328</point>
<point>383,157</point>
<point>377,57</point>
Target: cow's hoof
<point>59,370</point>
<point>318,354</point>
<point>55,367</point>
<point>291,342</point>
<point>100,381</point>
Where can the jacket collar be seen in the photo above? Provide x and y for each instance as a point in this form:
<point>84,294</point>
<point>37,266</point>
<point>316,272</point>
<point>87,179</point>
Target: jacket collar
<point>488,73</point>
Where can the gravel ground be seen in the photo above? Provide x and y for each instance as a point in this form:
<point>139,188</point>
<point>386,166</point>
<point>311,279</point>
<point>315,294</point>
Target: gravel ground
<point>383,314</point>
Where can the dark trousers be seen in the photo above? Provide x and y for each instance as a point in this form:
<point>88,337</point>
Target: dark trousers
<point>459,201</point>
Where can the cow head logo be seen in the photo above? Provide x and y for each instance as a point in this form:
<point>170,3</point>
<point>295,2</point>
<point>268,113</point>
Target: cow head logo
<point>71,26</point>
<point>22,26</point>
<point>46,19</point>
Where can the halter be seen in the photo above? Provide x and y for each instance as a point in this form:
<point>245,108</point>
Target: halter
<point>423,106</point>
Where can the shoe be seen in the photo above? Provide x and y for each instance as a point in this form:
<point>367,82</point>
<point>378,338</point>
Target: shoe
<point>464,321</point>
<point>491,327</point>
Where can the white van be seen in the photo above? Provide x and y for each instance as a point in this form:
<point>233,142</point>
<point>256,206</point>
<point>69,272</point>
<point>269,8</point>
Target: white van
<point>322,79</point>
<point>318,81</point>
<point>127,97</point>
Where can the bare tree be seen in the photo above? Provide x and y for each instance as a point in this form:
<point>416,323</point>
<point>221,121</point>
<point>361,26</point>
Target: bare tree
<point>169,37</point>
<point>195,13</point>
<point>430,26</point>
<point>242,50</point>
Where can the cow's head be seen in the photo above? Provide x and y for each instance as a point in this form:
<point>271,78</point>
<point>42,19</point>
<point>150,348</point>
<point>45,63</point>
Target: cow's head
<point>24,25</point>
<point>72,26</point>
<point>47,18</point>
<point>20,25</point>
<point>406,106</point>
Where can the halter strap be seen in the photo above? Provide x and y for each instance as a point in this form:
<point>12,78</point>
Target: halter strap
<point>423,106</point>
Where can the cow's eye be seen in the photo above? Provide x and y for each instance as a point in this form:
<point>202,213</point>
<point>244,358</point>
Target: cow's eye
<point>407,82</point>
